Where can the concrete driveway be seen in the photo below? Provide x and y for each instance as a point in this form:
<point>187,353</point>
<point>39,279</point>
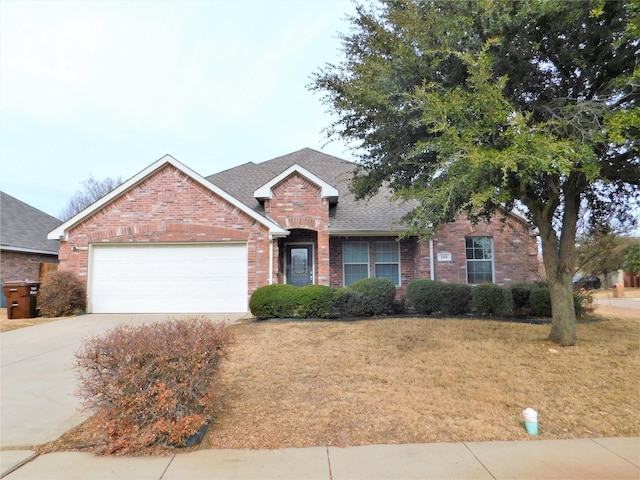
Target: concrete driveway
<point>37,381</point>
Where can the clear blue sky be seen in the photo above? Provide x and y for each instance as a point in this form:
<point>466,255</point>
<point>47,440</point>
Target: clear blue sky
<point>107,87</point>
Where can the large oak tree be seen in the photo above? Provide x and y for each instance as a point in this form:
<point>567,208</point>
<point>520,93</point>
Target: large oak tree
<point>486,105</point>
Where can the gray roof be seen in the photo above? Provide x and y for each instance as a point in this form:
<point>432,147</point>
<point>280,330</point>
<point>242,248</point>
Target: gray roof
<point>378,214</point>
<point>24,228</point>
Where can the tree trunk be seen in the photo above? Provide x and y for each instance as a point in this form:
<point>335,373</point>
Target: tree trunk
<point>558,255</point>
<point>563,323</point>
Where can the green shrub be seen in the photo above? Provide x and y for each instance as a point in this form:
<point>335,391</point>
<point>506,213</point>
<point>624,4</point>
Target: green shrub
<point>151,384</point>
<point>61,293</point>
<point>429,296</point>
<point>378,294</point>
<point>580,303</point>
<point>491,299</point>
<point>540,301</point>
<point>315,301</point>
<point>350,303</point>
<point>399,306</point>
<point>521,292</point>
<point>273,301</point>
<point>424,296</point>
<point>455,298</point>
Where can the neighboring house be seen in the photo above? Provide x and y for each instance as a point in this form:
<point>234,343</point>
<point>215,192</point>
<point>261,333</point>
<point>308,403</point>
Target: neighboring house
<point>25,251</point>
<point>169,240</point>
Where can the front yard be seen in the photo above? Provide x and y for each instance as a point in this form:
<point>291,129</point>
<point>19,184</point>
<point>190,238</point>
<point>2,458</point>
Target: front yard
<point>425,380</point>
<point>297,384</point>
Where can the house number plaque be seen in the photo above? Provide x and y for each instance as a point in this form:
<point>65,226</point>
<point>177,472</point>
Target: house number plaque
<point>444,256</point>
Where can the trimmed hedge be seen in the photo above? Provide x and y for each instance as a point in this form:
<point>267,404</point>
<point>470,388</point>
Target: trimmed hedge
<point>378,295</point>
<point>350,304</point>
<point>492,300</point>
<point>456,298</point>
<point>315,301</point>
<point>540,301</point>
<point>429,296</point>
<point>273,301</point>
<point>423,296</point>
<point>521,294</point>
<point>371,296</point>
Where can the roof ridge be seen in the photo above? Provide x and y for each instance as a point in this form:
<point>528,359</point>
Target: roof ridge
<point>27,205</point>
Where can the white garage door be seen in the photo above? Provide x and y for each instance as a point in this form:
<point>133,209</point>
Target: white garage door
<point>161,278</point>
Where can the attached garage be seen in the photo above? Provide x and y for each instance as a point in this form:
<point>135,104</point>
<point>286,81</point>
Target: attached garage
<point>168,278</point>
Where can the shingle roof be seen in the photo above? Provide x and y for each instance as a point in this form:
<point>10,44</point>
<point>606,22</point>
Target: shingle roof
<point>377,214</point>
<point>25,228</point>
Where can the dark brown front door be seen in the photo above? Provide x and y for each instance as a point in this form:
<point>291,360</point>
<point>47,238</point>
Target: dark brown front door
<point>299,265</point>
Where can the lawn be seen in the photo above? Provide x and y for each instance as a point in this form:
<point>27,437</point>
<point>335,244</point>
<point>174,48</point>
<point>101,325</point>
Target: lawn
<point>414,380</point>
<point>7,325</point>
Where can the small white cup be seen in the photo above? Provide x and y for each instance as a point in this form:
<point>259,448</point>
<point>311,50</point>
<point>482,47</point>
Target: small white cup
<point>530,421</point>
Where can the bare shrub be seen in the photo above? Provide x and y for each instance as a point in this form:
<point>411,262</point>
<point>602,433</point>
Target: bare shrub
<point>61,293</point>
<point>151,384</point>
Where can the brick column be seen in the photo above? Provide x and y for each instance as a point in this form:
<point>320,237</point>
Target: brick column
<point>323,258</point>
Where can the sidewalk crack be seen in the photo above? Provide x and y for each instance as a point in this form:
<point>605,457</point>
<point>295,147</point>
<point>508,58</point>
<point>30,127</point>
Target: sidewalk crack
<point>329,463</point>
<point>479,461</point>
<point>164,472</point>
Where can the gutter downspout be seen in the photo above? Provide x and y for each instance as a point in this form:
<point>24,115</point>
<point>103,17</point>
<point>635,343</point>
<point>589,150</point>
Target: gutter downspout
<point>432,260</point>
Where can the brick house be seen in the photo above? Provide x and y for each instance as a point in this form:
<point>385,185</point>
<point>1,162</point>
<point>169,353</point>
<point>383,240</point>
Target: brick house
<point>169,240</point>
<point>25,252</point>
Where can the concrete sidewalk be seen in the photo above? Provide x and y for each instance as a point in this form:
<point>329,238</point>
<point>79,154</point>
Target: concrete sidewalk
<point>624,302</point>
<point>600,458</point>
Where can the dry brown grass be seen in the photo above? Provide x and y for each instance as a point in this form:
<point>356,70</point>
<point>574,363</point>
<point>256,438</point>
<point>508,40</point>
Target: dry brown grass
<point>424,380</point>
<point>414,380</point>
<point>15,323</point>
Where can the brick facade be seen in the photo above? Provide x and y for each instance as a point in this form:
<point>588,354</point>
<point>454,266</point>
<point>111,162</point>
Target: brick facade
<point>515,253</point>
<point>297,204</point>
<point>170,206</point>
<point>515,250</point>
<point>21,266</point>
<point>408,249</point>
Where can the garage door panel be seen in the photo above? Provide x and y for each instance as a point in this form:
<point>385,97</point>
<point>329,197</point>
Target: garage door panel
<point>192,278</point>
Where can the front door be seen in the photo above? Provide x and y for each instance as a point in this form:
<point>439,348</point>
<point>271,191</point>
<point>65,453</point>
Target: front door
<point>299,265</point>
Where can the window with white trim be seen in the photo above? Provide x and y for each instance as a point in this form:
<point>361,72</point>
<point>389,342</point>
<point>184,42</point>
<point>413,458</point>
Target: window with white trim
<point>387,261</point>
<point>355,260</point>
<point>479,260</point>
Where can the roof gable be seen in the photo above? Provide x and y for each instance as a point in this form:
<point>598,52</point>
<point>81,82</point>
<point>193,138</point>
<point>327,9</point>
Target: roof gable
<point>376,215</point>
<point>326,190</point>
<point>63,229</point>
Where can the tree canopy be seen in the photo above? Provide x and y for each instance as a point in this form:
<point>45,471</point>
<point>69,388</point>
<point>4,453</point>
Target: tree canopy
<point>602,253</point>
<point>631,262</point>
<point>478,106</point>
<point>91,191</point>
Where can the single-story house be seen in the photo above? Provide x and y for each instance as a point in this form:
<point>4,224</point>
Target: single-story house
<point>25,252</point>
<point>170,240</point>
